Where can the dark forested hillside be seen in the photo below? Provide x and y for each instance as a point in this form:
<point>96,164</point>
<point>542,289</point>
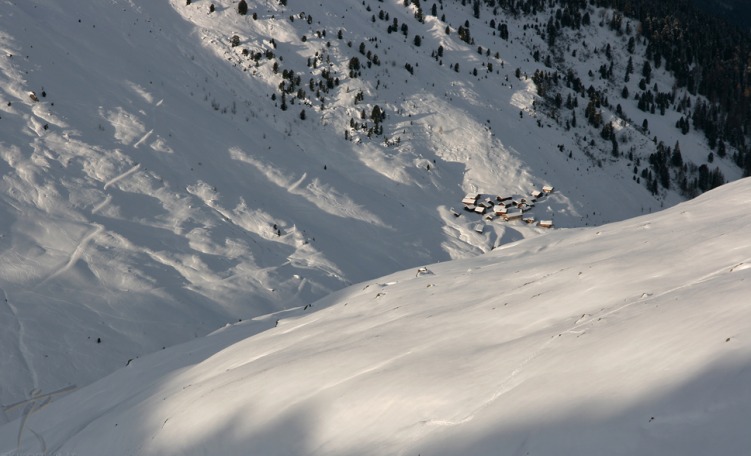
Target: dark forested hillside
<point>737,12</point>
<point>707,56</point>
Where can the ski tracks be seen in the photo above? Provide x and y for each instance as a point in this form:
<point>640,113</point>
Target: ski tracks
<point>95,227</point>
<point>297,183</point>
<point>127,173</point>
<point>77,252</point>
<point>21,331</point>
<point>511,380</point>
<point>143,139</point>
<point>101,205</point>
<point>646,296</point>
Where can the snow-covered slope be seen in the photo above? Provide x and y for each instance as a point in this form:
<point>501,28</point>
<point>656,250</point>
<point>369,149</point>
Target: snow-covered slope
<point>630,338</point>
<point>156,191</point>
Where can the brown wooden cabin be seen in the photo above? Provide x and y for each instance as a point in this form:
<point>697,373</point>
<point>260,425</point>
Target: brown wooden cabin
<point>513,215</point>
<point>471,198</point>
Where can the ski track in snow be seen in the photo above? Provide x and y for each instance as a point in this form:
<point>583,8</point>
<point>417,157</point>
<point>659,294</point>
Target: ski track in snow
<point>360,373</point>
<point>101,205</point>
<point>77,252</point>
<point>646,296</point>
<point>72,433</point>
<point>509,383</point>
<point>23,352</point>
<point>127,173</point>
<point>143,139</point>
<point>296,184</point>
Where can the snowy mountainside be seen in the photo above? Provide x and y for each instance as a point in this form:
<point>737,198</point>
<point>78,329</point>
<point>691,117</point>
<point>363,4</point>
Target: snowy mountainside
<point>629,338</point>
<point>156,190</point>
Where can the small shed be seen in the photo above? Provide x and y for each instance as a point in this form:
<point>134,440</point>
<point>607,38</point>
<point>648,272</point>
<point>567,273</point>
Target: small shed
<point>525,207</point>
<point>547,189</point>
<point>545,224</point>
<point>536,193</point>
<point>528,220</point>
<point>500,209</point>
<point>471,198</point>
<point>480,209</point>
<point>480,227</point>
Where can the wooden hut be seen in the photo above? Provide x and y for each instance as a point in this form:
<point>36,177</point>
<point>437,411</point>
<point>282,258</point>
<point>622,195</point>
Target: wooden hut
<point>470,198</point>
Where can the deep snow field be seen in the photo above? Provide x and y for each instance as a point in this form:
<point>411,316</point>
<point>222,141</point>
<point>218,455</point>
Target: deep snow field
<point>156,192</point>
<point>629,338</point>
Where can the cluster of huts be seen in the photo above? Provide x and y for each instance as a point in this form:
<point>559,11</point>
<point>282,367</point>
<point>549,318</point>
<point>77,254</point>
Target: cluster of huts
<point>506,208</point>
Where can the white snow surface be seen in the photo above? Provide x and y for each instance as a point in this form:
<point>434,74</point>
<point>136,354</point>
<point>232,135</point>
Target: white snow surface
<point>155,193</point>
<point>629,338</point>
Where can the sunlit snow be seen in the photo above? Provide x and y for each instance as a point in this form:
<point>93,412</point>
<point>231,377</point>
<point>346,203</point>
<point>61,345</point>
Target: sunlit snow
<point>153,192</point>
